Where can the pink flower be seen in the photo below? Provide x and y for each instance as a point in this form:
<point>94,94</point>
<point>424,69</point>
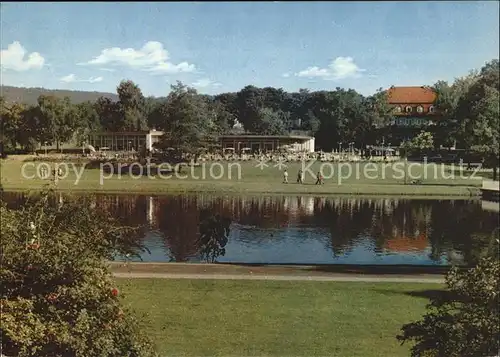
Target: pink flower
<point>52,297</point>
<point>34,246</point>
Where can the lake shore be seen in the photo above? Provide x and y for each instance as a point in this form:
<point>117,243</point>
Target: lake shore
<point>279,271</point>
<point>431,192</point>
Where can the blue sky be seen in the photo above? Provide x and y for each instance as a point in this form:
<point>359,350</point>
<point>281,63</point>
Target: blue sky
<point>220,47</point>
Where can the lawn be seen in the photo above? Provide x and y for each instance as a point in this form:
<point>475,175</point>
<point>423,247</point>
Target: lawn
<point>275,318</point>
<point>245,177</point>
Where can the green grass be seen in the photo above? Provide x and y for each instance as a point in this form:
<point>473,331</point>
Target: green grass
<point>275,318</point>
<point>246,178</point>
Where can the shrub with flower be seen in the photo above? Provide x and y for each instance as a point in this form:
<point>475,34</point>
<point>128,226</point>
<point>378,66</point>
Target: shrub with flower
<point>58,295</point>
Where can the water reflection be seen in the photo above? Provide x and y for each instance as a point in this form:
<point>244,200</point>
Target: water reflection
<point>304,230</point>
<point>214,235</point>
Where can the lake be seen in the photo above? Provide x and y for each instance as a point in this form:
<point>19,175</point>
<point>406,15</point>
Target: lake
<point>307,230</point>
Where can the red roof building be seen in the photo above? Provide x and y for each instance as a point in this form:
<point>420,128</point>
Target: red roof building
<point>414,110</point>
<point>412,101</point>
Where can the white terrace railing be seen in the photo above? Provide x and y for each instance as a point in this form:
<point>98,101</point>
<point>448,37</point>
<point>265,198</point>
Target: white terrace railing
<point>491,185</point>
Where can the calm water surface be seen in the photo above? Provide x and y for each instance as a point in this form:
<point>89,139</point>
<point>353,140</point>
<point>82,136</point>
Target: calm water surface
<point>307,230</point>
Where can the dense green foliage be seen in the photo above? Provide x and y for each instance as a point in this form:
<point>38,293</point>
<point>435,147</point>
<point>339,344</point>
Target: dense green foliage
<point>471,112</point>
<point>468,110</point>
<point>420,143</point>
<point>464,321</point>
<point>58,295</point>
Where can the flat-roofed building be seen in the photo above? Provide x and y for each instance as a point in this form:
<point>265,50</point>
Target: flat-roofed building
<point>263,143</point>
<point>124,141</point>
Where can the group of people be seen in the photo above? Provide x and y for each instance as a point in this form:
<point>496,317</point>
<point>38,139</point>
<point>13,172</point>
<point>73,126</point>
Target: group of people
<point>55,174</point>
<point>300,177</point>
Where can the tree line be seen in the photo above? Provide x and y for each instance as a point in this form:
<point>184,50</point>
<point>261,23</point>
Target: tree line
<point>468,106</point>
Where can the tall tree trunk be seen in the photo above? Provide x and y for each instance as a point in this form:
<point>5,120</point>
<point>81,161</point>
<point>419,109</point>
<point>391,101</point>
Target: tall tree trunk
<point>495,172</point>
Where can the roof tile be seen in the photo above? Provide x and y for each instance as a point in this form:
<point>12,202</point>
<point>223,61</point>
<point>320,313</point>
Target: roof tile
<point>411,95</point>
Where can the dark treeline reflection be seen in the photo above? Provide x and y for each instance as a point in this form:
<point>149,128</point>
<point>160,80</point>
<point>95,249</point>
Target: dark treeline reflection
<point>454,229</point>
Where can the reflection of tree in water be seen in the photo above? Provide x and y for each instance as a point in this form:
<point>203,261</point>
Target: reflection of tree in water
<point>213,235</point>
<point>462,226</point>
<point>178,223</point>
<point>347,219</point>
<point>446,227</point>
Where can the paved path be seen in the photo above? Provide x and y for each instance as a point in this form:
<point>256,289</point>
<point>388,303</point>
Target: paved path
<point>366,279</point>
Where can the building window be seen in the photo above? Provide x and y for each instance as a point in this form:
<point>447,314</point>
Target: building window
<point>431,109</point>
<point>255,147</point>
<point>397,109</point>
<point>420,109</point>
<point>408,109</point>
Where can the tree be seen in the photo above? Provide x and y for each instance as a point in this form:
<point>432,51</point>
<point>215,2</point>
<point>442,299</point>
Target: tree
<point>228,100</point>
<point>157,115</point>
<point>58,295</point>
<point>477,115</point>
<point>186,121</point>
<point>465,320</point>
<point>249,101</point>
<point>448,99</point>
<point>12,122</point>
<point>380,117</point>
<point>151,104</point>
<point>87,120</point>
<point>324,106</point>
<point>132,105</point>
<point>274,98</point>
<point>485,128</point>
<point>221,117</point>
<point>311,123</point>
<point>109,114</point>
<point>269,122</point>
<point>423,141</point>
<point>57,119</point>
<point>33,129</point>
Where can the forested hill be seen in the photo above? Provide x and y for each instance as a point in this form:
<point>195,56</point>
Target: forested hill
<point>30,95</point>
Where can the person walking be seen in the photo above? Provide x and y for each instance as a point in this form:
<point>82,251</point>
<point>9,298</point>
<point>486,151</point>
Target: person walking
<point>285,176</point>
<point>300,177</point>
<point>319,179</point>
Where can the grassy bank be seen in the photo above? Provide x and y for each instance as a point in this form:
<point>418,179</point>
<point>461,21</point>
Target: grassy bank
<point>270,318</point>
<point>241,178</point>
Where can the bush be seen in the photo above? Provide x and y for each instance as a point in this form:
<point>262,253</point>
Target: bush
<point>58,295</point>
<point>464,322</point>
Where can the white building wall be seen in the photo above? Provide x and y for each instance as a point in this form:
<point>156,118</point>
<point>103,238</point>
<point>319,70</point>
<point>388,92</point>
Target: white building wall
<point>308,145</point>
<point>149,142</point>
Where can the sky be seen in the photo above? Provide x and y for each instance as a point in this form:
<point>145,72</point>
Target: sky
<point>220,47</point>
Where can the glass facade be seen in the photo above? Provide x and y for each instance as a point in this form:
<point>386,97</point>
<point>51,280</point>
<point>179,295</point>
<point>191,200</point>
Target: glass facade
<point>123,141</point>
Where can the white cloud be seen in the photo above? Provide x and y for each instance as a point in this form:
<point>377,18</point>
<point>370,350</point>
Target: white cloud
<point>151,57</point>
<point>205,82</point>
<point>15,57</point>
<point>108,69</point>
<point>71,78</point>
<point>339,68</point>
<point>285,75</point>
